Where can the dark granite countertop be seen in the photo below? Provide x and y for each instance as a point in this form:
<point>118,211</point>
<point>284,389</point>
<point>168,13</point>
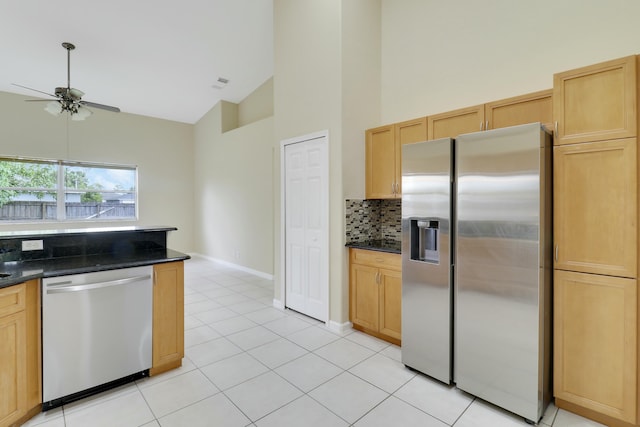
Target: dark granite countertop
<point>21,271</point>
<point>392,246</point>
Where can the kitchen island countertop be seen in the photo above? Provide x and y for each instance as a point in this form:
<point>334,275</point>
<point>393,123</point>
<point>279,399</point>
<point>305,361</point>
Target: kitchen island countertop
<point>97,250</point>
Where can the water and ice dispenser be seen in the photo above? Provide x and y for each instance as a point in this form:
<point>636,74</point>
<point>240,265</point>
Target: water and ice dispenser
<point>425,240</point>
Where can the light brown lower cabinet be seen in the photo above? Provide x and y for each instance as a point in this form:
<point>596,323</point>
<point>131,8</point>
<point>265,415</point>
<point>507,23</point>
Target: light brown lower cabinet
<point>375,293</point>
<point>595,340</point>
<point>168,316</point>
<point>20,377</point>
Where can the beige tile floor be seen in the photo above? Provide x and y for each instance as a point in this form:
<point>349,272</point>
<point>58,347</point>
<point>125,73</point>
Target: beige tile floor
<point>249,364</point>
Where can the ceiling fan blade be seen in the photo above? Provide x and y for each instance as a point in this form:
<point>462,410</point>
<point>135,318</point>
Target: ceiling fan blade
<point>35,90</point>
<point>101,106</point>
<point>40,100</point>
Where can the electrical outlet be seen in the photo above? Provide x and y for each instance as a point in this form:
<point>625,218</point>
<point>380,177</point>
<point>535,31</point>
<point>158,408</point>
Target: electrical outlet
<point>32,245</point>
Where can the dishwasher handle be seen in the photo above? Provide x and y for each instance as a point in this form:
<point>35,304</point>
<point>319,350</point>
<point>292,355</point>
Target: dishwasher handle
<point>66,286</point>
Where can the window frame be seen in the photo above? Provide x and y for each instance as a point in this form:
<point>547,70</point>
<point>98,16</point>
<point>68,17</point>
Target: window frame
<point>61,191</point>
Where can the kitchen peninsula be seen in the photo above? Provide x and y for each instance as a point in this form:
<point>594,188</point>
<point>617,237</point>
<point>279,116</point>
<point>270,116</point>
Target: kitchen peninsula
<point>28,259</point>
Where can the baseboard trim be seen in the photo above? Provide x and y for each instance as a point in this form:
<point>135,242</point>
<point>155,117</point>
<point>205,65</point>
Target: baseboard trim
<point>278,304</point>
<point>591,414</point>
<point>340,328</point>
<point>237,266</point>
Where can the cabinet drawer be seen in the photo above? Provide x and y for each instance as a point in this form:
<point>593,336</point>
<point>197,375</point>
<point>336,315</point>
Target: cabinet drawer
<point>376,259</point>
<point>12,299</point>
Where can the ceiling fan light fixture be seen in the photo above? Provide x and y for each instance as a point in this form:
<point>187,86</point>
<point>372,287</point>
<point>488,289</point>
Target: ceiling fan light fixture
<point>75,93</point>
<point>80,114</point>
<point>54,108</point>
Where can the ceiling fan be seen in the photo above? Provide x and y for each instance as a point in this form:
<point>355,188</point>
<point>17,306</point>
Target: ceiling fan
<point>68,98</point>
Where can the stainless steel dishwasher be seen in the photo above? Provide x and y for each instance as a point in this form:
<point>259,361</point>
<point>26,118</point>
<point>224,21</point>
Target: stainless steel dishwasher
<point>96,332</point>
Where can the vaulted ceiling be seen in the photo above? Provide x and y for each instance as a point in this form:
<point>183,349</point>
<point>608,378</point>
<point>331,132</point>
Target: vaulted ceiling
<point>155,58</point>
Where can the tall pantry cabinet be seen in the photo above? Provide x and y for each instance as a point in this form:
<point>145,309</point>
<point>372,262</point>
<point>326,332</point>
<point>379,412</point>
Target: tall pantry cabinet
<point>596,241</point>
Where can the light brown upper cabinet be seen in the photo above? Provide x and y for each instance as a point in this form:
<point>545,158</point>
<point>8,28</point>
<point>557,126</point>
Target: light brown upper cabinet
<point>380,166</point>
<point>595,207</point>
<point>411,131</point>
<point>596,103</point>
<point>383,156</point>
<point>519,110</point>
<point>456,122</point>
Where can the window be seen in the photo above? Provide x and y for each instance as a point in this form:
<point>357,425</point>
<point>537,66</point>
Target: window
<point>43,190</point>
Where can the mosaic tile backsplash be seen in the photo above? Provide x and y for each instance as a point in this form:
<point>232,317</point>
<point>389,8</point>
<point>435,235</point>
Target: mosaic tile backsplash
<point>373,220</point>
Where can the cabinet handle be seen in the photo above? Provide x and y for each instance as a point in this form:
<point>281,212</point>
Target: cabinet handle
<point>393,188</point>
<point>556,253</point>
<point>556,128</point>
<point>378,278</point>
<point>481,123</point>
<point>486,125</point>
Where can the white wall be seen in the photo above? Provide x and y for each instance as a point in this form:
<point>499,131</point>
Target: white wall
<point>258,105</point>
<point>442,55</point>
<point>326,77</point>
<point>361,95</point>
<point>162,150</point>
<point>307,99</point>
<point>233,181</point>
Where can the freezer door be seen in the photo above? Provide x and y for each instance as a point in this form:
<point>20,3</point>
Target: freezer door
<point>426,257</point>
<point>500,278</point>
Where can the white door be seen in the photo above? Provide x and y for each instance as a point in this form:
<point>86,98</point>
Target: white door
<point>306,213</point>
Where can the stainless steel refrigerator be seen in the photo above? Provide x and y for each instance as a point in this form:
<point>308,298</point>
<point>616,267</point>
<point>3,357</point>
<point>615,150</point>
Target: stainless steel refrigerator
<point>476,264</point>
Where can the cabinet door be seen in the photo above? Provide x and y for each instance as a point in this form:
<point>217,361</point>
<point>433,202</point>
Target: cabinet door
<point>595,344</point>
<point>454,123</point>
<point>407,133</point>
<point>411,131</point>
<point>390,303</point>
<point>520,110</point>
<point>380,166</point>
<point>168,316</point>
<point>13,375</point>
<point>595,103</point>
<point>595,207</point>
<point>364,296</point>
